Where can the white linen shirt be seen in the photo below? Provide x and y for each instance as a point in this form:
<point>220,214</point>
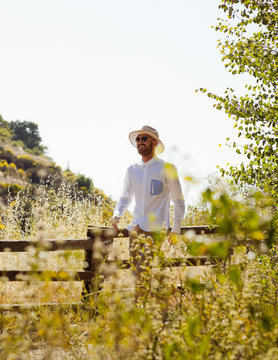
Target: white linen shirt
<point>153,184</point>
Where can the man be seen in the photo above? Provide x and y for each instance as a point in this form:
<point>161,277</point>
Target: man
<point>153,183</point>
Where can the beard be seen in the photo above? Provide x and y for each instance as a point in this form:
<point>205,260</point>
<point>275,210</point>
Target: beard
<point>146,150</point>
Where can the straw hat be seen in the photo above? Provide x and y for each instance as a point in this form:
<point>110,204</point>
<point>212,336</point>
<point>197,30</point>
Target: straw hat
<point>148,130</point>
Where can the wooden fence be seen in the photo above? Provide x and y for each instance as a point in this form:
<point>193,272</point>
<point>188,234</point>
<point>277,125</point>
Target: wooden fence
<point>93,259</point>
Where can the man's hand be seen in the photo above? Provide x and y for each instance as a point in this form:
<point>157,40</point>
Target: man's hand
<point>174,238</point>
<point>114,221</point>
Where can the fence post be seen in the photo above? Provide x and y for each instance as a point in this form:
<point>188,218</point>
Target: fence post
<point>87,266</point>
<point>102,239</point>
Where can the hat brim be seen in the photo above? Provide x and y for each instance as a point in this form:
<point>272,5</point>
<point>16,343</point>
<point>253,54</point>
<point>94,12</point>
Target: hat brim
<point>133,135</point>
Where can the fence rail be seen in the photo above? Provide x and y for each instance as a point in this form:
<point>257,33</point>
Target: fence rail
<point>93,261</point>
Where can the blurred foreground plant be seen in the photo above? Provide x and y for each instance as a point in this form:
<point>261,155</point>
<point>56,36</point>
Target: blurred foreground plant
<point>229,313</point>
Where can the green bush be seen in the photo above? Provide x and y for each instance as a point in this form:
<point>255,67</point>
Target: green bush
<point>10,189</point>
<point>25,162</point>
<point>12,168</point>
<point>84,183</point>
<point>7,154</point>
<point>5,132</point>
<point>4,166</point>
<point>27,132</point>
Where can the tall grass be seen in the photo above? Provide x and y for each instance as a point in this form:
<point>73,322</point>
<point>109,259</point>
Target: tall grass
<point>229,313</point>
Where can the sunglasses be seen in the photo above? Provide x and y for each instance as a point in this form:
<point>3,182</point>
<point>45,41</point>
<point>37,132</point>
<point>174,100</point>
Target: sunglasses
<point>143,138</point>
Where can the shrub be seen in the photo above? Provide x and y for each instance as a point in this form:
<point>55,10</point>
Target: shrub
<point>37,174</point>
<point>27,132</point>
<point>54,169</point>
<point>8,155</point>
<point>84,183</point>
<point>12,168</point>
<point>5,131</point>
<point>14,189</point>
<point>4,166</point>
<point>22,174</point>
<point>9,190</point>
<point>5,134</point>
<point>25,162</point>
<point>70,176</point>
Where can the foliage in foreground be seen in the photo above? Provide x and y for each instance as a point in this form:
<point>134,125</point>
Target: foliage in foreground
<point>234,318</point>
<point>229,313</point>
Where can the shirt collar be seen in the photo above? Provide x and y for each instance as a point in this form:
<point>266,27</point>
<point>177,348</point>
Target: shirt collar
<point>148,163</point>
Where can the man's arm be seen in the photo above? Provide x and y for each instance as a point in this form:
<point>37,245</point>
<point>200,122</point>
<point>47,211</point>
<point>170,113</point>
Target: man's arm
<point>123,202</point>
<point>178,201</point>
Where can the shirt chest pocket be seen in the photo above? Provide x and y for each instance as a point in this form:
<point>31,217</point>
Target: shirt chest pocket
<point>156,187</point>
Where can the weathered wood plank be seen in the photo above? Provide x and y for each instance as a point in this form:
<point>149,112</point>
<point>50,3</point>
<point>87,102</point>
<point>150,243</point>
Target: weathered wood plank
<point>19,275</point>
<point>200,229</point>
<point>175,262</point>
<point>47,245</point>
<point>106,232</point>
<point>38,305</point>
<point>87,275</point>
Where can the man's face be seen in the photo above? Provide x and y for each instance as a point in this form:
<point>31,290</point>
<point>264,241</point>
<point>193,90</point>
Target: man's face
<point>145,144</point>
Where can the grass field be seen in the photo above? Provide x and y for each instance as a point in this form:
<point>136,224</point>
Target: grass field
<point>231,313</point>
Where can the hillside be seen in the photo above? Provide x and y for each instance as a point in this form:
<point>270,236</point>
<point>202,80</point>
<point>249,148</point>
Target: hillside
<point>23,162</point>
<point>14,161</point>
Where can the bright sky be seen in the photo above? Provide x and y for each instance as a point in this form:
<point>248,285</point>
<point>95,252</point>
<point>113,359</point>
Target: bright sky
<point>88,72</point>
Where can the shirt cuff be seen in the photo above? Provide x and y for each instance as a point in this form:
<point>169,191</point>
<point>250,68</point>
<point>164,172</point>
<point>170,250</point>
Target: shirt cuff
<point>116,214</point>
<point>176,228</point>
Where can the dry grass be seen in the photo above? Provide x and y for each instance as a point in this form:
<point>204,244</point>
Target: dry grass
<point>230,314</point>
